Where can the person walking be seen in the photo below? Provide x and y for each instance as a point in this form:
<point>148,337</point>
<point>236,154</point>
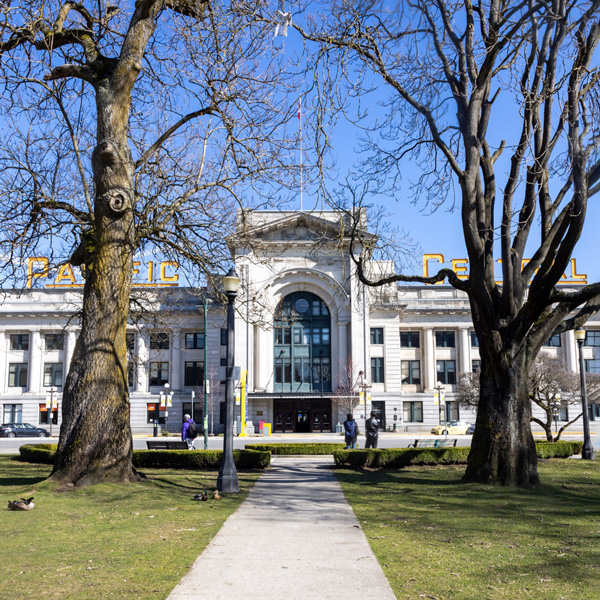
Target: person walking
<point>350,432</point>
<point>189,431</point>
<point>371,431</point>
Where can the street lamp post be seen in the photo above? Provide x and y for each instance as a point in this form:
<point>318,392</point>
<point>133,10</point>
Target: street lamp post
<point>440,394</point>
<point>587,451</point>
<point>168,402</point>
<point>227,481</point>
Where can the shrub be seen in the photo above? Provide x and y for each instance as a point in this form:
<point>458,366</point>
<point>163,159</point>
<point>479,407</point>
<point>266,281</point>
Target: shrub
<point>198,459</point>
<point>396,458</point>
<point>297,449</point>
<point>163,459</point>
<point>38,453</point>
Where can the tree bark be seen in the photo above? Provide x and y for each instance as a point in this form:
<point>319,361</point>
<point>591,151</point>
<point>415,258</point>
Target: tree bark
<point>503,451</point>
<point>95,438</point>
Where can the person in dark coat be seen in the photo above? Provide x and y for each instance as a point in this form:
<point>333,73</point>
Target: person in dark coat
<point>372,431</point>
<point>350,432</point>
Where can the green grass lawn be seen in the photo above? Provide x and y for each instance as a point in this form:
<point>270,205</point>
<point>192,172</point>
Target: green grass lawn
<point>106,541</point>
<point>437,538</point>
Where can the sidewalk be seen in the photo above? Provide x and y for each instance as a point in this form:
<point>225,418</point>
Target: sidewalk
<point>294,538</point>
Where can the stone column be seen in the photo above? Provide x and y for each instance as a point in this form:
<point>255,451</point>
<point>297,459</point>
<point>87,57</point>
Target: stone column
<point>429,360</point>
<point>36,367</point>
<point>70,341</point>
<point>342,365</point>
<point>571,352</point>
<point>464,345</point>
<point>175,379</point>
<point>3,363</point>
<point>142,362</point>
<point>263,358</point>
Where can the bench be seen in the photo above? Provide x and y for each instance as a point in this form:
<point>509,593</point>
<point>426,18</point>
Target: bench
<point>165,445</point>
<point>443,443</point>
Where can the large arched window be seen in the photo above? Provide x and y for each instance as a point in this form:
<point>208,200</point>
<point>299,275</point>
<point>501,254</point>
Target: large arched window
<point>302,350</point>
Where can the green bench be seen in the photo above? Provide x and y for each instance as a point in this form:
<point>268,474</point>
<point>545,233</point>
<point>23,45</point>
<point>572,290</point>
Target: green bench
<point>439,443</point>
<point>165,445</point>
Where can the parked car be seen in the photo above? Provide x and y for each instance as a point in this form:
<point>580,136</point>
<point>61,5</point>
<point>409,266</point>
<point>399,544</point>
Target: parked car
<point>12,430</point>
<point>471,430</point>
<point>454,427</point>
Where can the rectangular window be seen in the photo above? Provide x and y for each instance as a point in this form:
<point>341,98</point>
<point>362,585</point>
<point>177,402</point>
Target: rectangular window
<point>12,413</point>
<point>194,374</point>
<point>159,341</point>
<point>17,375</point>
<point>554,341</point>
<point>413,412</point>
<point>592,338</point>
<point>224,337</point>
<point>194,341</point>
<point>53,374</point>
<point>196,414</point>
<point>409,339</point>
<point>446,371</point>
<point>44,414</point>
<point>592,365</point>
<point>283,336</point>
<point>452,413</point>
<point>411,372</point>
<point>445,339</point>
<point>159,373</point>
<point>474,340</point>
<point>377,372</point>
<point>376,335</point>
<point>54,341</point>
<point>19,341</point>
<point>475,365</point>
<point>130,373</point>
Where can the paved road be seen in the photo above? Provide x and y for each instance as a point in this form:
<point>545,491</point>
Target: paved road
<point>386,440</point>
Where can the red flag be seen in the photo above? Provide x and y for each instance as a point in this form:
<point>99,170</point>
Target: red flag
<point>299,105</point>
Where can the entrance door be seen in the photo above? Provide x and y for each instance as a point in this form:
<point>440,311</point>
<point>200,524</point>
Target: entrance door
<point>303,421</point>
<point>378,407</point>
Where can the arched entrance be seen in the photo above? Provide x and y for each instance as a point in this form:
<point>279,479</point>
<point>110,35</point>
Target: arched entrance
<point>302,364</point>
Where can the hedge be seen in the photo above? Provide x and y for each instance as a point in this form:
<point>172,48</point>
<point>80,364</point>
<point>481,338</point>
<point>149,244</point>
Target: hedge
<point>297,449</point>
<point>163,459</point>
<point>396,458</point>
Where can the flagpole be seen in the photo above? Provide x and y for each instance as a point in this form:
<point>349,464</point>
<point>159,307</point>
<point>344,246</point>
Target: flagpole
<point>300,128</point>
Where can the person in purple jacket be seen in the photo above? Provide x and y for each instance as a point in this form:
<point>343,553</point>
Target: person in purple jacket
<point>188,431</point>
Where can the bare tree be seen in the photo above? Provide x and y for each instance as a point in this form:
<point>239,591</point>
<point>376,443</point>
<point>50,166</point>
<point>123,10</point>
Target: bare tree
<point>346,395</point>
<point>551,386</point>
<point>129,129</point>
<point>497,103</point>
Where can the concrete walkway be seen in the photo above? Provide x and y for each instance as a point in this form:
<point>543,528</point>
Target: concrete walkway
<point>294,538</point>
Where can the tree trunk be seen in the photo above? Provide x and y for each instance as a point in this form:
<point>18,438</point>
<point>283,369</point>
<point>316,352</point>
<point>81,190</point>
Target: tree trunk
<point>503,450</point>
<point>95,438</point>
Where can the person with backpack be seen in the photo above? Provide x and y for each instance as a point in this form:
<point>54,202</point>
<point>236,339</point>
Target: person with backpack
<point>350,432</point>
<point>189,431</point>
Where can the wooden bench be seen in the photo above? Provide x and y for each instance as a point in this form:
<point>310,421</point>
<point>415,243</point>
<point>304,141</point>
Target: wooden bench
<point>439,443</point>
<point>166,445</point>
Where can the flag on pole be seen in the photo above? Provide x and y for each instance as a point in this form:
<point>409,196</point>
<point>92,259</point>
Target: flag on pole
<point>299,106</point>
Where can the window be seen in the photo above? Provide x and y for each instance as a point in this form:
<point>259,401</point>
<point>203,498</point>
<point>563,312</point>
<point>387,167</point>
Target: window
<point>413,412</point>
<point>446,371</point>
<point>592,338</point>
<point>475,365</point>
<point>44,413</point>
<point>13,413</point>
<point>411,372</point>
<point>196,414</point>
<point>445,339</point>
<point>130,373</point>
<point>554,341</point>
<point>377,373</point>
<point>194,341</point>
<point>159,341</point>
<point>130,340</point>
<point>409,339</point>
<point>19,341</point>
<point>452,413</point>
<point>53,374</point>
<point>159,373</point>
<point>376,335</point>
<point>17,375</point>
<point>474,340</point>
<point>592,365</point>
<point>194,374</point>
<point>54,341</point>
<point>223,337</point>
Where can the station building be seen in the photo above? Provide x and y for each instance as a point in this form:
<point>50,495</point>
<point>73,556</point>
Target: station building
<point>310,340</point>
